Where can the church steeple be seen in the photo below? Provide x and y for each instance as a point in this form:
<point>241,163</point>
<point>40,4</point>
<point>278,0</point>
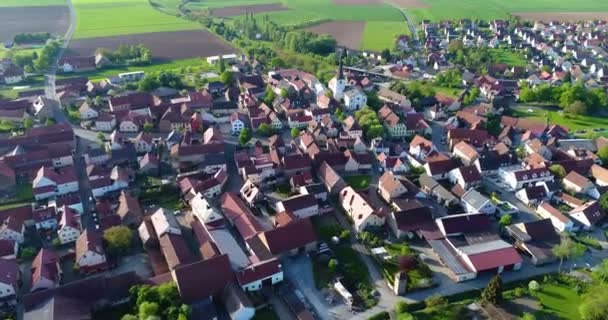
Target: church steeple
<point>340,68</point>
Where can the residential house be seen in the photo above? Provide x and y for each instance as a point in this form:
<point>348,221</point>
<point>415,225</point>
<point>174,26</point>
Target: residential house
<point>531,196</point>
<point>475,202</point>
<point>560,221</point>
<point>46,270</point>
<point>536,238</point>
<point>52,182</point>
<point>600,174</point>
<point>390,187</point>
<point>330,178</point>
<point>588,215</point>
<point>69,225</point>
<point>90,255</point>
<point>358,208</point>
<point>238,122</point>
<point>143,142</point>
<point>302,206</point>
<point>576,182</point>
<point>395,127</point>
<point>431,187</point>
<point>354,99</point>
<point>76,64</point>
<point>129,210</point>
<point>467,154</point>
<point>520,178</point>
<point>420,147</point>
<point>105,122</point>
<point>352,127</point>
<point>203,210</point>
<point>291,238</point>
<point>466,177</point>
<point>410,217</point>
<point>87,112</point>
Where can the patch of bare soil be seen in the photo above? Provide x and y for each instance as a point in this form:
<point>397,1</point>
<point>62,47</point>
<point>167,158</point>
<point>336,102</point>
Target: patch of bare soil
<point>165,46</point>
<point>239,10</point>
<point>347,33</point>
<point>16,20</point>
<point>562,16</point>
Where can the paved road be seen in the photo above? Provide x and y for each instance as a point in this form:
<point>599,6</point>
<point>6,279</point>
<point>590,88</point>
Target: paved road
<point>84,188</point>
<point>49,77</point>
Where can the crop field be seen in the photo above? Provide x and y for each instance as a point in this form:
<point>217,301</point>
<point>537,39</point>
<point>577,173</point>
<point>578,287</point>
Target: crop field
<point>499,9</point>
<point>53,19</point>
<point>101,18</point>
<point>347,33</point>
<point>165,46</point>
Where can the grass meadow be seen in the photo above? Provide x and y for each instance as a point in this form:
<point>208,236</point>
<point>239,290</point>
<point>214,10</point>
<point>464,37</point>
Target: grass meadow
<point>100,18</point>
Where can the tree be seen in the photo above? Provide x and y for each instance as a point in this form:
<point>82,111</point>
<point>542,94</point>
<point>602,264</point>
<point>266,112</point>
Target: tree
<point>118,239</point>
<point>269,97</point>
<point>601,271</point>
<point>148,127</point>
<point>227,78</point>
<point>493,292</point>
<point>472,96</point>
<point>558,170</point>
<point>568,249</point>
<point>245,136</point>
<point>49,122</point>
<point>265,130</point>
<point>436,301</point>
<point>577,107</point>
<point>222,64</point>
<point>28,252</point>
<point>506,220</point>
<point>401,307</point>
<point>128,317</point>
<point>594,305</point>
<point>28,123</point>
<point>528,316</point>
<point>148,309</point>
<point>101,137</point>
<point>533,286</point>
<point>332,265</point>
<point>386,55</point>
<point>295,132</point>
<point>603,154</point>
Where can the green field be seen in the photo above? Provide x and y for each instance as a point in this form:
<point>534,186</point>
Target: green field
<point>560,300</point>
<point>389,31</point>
<point>499,9</point>
<point>175,66</point>
<point>511,58</point>
<point>572,122</point>
<point>31,3</point>
<point>4,51</point>
<point>383,22</point>
<point>99,18</point>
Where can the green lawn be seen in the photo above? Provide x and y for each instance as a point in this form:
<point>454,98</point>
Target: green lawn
<point>560,300</point>
<point>450,92</point>
<point>98,18</point>
<point>196,64</point>
<point>509,57</point>
<point>17,51</point>
<point>389,30</point>
<point>499,9</point>
<point>358,182</point>
<point>210,4</point>
<point>31,3</point>
<point>572,122</point>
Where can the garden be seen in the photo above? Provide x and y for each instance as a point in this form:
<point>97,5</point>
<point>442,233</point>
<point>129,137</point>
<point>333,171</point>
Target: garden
<point>358,182</point>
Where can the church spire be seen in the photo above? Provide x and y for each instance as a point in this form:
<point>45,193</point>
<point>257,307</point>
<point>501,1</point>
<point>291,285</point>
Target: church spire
<point>340,68</point>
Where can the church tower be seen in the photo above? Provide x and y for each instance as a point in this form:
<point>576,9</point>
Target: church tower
<point>337,84</point>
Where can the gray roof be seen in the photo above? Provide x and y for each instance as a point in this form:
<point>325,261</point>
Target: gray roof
<point>474,199</point>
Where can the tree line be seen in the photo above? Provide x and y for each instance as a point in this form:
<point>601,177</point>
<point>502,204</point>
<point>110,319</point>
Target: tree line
<point>40,37</point>
<point>127,55</point>
<point>572,98</point>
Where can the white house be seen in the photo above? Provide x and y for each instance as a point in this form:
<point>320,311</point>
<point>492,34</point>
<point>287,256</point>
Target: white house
<point>360,210</point>
<point>475,202</point>
<point>303,206</point>
<point>203,210</point>
<point>87,112</point>
<point>466,177</point>
<point>354,99</point>
<point>90,255</point>
<point>143,142</point>
<point>520,178</point>
<point>51,182</point>
<point>576,182</point>
<point>105,123</point>
<point>588,214</point>
<point>559,220</point>
<point>12,229</point>
<point>69,226</point>
<point>253,277</point>
<point>238,122</point>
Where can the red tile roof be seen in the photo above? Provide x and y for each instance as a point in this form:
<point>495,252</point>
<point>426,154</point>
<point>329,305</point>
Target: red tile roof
<point>493,259</point>
<point>200,280</point>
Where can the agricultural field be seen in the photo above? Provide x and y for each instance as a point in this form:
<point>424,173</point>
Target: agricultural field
<point>102,18</point>
<point>357,24</point>
<point>165,46</point>
<point>52,19</point>
<point>498,9</point>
